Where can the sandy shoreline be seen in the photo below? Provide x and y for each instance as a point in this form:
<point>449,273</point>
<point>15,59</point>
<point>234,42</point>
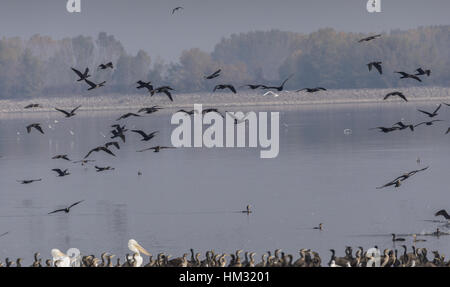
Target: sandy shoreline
<point>285,98</point>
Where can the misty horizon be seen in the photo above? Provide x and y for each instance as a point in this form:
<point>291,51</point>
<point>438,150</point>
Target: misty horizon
<point>149,25</point>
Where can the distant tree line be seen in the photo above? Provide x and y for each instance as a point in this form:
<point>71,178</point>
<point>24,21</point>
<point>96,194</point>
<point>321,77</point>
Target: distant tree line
<point>41,65</point>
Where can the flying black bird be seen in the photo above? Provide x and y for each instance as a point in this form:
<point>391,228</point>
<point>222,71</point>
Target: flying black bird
<point>253,87</point>
<point>32,106</point>
<point>406,75</point>
<point>402,126</point>
<point>94,85</point>
<point>35,126</point>
<point>377,66</point>
<point>146,85</point>
<point>279,88</point>
<point>115,144</point>
<point>3,234</point>
<point>176,9</point>
<point>385,129</point>
<point>60,172</point>
<point>106,66</point>
<point>433,114</point>
<point>443,213</point>
<point>98,149</point>
<point>430,123</point>
<point>61,156</point>
<point>83,76</point>
<point>312,90</point>
<point>150,110</point>
<point>213,75</point>
<point>67,209</point>
<point>398,181</point>
<point>68,114</point>
<point>127,115</point>
<point>211,110</point>
<point>446,104</point>
<point>145,137</point>
<point>369,38</point>
<point>99,168</point>
<point>398,94</point>
<point>156,148</point>
<point>421,72</point>
<point>118,132</point>
<point>448,131</point>
<point>222,87</point>
<point>165,89</point>
<point>28,181</point>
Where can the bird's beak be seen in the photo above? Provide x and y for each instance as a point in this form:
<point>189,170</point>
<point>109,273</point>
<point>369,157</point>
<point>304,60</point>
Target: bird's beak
<point>142,249</point>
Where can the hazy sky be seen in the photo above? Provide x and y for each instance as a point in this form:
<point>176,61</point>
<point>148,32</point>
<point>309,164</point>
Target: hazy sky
<point>149,25</point>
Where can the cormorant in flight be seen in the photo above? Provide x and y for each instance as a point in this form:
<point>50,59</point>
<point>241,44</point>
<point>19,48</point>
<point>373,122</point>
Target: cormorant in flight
<point>67,209</point>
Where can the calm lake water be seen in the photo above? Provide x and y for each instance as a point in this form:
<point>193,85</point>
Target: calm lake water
<point>188,198</point>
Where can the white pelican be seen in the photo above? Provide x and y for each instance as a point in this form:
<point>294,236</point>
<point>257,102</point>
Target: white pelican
<point>60,259</point>
<point>136,248</point>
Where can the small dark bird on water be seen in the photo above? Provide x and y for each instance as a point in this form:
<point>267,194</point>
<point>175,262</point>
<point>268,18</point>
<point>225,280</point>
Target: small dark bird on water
<point>377,66</point>
<point>394,238</point>
<point>67,209</point>
<point>98,149</point>
<point>106,66</point>
<point>320,227</point>
<point>433,114</point>
<point>68,114</point>
<point>28,181</point>
<point>61,156</point>
<point>36,126</point>
<point>99,168</point>
<point>398,94</point>
<point>176,9</point>
<point>213,75</point>
<point>222,87</point>
<point>312,90</point>
<point>430,123</point>
<point>127,115</point>
<point>443,213</point>
<point>156,148</point>
<point>60,172</point>
<point>279,88</point>
<point>32,106</point>
<point>421,72</point>
<point>82,76</point>
<point>369,38</point>
<point>145,137</point>
<point>94,85</point>
<point>410,76</point>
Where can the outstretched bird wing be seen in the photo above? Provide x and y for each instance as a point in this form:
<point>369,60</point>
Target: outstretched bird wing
<point>425,112</point>
<point>78,202</point>
<point>165,91</point>
<point>58,210</point>
<point>74,110</point>
<point>78,73</point>
<point>63,111</point>
<point>57,170</point>
<point>142,133</point>
<point>93,85</point>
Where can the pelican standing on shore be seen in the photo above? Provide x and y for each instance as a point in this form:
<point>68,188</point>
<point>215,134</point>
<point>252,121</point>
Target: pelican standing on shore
<point>62,259</point>
<point>136,249</point>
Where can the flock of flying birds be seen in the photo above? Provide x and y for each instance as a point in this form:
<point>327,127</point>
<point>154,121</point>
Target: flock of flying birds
<point>119,131</point>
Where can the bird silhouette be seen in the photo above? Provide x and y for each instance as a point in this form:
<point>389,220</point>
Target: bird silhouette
<point>66,209</point>
<point>376,65</point>
<point>222,87</point>
<point>68,114</point>
<point>36,126</point>
<point>397,94</point>
<point>82,76</point>
<point>60,172</point>
<point>433,114</point>
<point>145,137</point>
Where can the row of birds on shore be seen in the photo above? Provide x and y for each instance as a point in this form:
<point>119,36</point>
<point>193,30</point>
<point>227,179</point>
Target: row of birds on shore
<point>418,257</point>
